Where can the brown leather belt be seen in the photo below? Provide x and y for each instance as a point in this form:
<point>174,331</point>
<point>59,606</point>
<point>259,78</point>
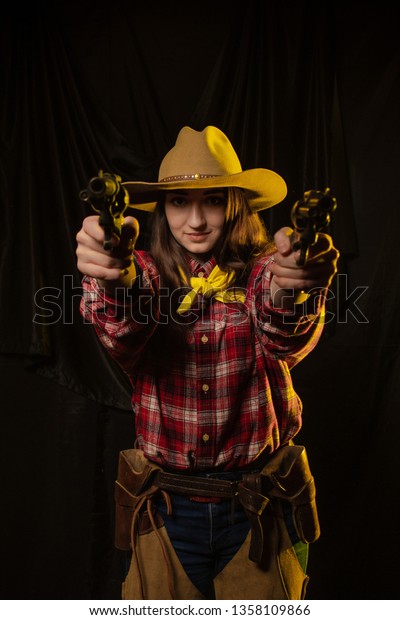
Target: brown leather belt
<point>196,486</point>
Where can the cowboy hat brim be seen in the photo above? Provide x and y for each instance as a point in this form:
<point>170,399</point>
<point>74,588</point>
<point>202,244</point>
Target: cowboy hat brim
<point>263,188</point>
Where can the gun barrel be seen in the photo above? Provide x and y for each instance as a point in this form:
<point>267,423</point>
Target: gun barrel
<point>310,216</point>
<point>99,187</point>
<point>109,199</point>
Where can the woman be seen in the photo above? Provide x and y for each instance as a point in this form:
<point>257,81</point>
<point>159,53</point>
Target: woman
<point>207,325</point>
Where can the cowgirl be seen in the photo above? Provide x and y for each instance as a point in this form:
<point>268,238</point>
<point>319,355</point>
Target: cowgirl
<point>207,325</point>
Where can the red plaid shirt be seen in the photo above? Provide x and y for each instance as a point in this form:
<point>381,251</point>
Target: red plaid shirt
<point>233,396</point>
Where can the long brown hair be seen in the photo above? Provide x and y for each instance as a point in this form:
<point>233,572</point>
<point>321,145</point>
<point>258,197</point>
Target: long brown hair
<point>243,240</point>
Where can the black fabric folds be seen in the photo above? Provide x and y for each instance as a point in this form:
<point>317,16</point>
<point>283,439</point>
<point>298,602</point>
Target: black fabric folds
<point>310,90</point>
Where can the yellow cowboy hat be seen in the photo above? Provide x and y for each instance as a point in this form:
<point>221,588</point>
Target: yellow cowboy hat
<point>207,159</point>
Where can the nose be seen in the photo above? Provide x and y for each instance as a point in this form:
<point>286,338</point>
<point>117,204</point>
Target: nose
<point>196,217</point>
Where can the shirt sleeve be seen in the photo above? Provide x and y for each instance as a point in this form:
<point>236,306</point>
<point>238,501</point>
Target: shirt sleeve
<point>124,321</point>
<point>288,333</point>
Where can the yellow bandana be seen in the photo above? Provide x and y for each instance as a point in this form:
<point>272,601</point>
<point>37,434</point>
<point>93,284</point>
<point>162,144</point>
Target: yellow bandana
<point>215,285</point>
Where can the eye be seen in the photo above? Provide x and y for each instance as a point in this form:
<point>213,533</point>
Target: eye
<point>177,201</point>
<point>216,200</point>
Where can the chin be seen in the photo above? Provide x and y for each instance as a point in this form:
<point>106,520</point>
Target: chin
<point>199,248</point>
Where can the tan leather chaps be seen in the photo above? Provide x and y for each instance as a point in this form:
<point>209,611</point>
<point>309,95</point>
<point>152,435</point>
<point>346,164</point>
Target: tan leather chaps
<point>156,573</point>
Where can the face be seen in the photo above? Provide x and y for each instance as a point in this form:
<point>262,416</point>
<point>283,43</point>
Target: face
<point>196,218</point>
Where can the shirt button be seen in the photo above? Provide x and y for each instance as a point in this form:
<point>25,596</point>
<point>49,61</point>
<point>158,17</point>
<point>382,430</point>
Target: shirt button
<point>205,387</point>
<point>206,437</point>
<point>204,339</point>
<point>200,274</point>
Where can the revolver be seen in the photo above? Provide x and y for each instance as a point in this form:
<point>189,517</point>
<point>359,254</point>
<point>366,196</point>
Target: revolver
<point>309,216</point>
<point>109,199</point>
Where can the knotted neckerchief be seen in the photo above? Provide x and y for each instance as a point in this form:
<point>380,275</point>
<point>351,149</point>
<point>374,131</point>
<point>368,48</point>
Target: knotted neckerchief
<point>214,286</point>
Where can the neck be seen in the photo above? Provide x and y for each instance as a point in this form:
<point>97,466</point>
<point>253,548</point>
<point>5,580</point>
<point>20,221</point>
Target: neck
<point>201,258</point>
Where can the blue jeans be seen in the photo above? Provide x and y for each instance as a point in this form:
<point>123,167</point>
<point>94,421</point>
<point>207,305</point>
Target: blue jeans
<point>206,535</point>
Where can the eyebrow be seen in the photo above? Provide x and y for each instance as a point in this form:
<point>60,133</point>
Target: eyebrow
<point>184,192</point>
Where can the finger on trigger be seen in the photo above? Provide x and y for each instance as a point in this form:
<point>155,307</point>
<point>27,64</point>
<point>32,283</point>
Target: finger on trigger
<point>283,240</point>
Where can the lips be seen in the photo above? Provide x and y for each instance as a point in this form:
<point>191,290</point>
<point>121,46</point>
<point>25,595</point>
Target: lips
<point>197,236</point>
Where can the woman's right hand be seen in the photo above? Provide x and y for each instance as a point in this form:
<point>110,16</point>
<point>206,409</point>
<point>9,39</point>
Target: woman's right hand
<point>113,267</point>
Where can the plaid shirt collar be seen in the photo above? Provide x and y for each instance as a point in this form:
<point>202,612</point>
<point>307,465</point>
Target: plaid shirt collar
<point>200,269</point>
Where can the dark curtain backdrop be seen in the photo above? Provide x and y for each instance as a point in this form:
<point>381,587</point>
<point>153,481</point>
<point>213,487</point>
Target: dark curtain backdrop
<point>310,90</point>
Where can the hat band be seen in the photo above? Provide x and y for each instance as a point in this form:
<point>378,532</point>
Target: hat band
<point>187,177</point>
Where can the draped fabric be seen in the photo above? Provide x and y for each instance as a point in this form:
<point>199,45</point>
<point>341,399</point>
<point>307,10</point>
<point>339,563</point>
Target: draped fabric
<point>309,90</point>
